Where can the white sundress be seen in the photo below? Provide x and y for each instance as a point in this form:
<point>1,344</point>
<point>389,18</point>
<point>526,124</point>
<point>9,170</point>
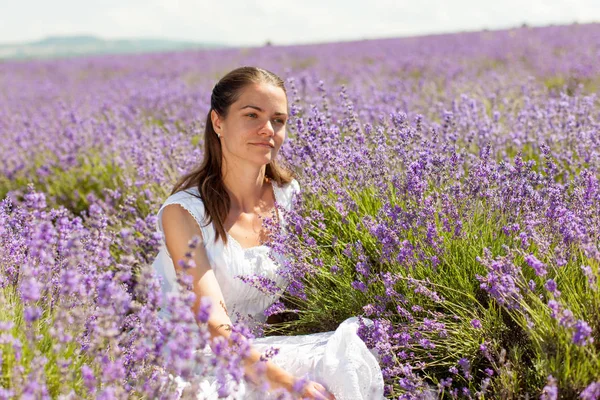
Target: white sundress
<point>338,359</point>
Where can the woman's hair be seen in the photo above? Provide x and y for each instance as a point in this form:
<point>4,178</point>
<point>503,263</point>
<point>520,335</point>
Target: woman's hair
<point>207,176</point>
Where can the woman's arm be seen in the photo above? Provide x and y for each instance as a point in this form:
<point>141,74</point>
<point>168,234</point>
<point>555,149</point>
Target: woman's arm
<point>179,228</point>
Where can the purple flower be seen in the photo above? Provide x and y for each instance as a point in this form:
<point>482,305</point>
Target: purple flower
<point>421,288</point>
<point>31,290</point>
<point>6,325</point>
<point>269,353</point>
<point>446,382</point>
<point>275,308</point>
<point>538,266</point>
<point>416,308</point>
<point>358,285</point>
<point>32,314</point>
<point>483,348</point>
<point>551,287</point>
<point>369,309</point>
<point>550,391</point>
<point>582,333</point>
<point>299,384</point>
<point>88,378</point>
<point>592,392</point>
<point>6,394</point>
<point>503,280</point>
<point>204,309</point>
<point>566,318</point>
<point>262,283</point>
<point>475,323</point>
<point>35,200</point>
<point>465,365</point>
<point>554,308</point>
<point>591,277</point>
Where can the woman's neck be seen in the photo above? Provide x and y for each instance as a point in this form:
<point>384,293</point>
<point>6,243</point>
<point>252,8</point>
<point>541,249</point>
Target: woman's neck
<point>245,187</point>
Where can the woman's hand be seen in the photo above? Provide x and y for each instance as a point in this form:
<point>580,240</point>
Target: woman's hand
<point>311,389</point>
<point>314,390</point>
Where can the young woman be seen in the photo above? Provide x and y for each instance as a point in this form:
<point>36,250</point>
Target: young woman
<point>224,201</point>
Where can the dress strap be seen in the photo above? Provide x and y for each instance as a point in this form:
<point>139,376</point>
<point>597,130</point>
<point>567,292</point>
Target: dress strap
<point>285,195</point>
<point>189,201</point>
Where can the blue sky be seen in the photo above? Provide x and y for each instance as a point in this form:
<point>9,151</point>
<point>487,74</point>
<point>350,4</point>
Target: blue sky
<point>245,22</point>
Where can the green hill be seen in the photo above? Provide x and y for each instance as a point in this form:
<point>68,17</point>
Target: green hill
<point>71,46</point>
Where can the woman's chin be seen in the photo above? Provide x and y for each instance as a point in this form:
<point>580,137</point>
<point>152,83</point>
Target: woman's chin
<point>258,159</point>
<point>264,160</point>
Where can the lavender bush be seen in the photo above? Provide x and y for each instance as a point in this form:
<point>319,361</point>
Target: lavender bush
<point>449,194</point>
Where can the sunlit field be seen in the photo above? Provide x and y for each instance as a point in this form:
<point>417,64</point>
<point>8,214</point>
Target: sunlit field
<point>450,194</point>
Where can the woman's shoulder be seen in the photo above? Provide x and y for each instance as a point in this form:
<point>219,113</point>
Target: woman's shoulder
<point>184,195</point>
<point>291,186</point>
<point>294,186</point>
<point>190,200</point>
<point>287,193</point>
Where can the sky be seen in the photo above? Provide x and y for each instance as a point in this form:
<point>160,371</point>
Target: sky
<point>254,22</point>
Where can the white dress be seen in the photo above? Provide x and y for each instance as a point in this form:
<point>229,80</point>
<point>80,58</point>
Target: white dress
<point>338,359</point>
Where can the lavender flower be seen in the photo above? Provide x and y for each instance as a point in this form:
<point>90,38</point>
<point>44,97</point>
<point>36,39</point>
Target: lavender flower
<point>582,333</point>
<point>552,288</point>
<point>538,266</point>
<point>592,392</point>
<point>205,309</point>
<point>475,323</point>
<point>261,283</point>
<point>465,365</point>
<point>550,391</point>
<point>591,277</point>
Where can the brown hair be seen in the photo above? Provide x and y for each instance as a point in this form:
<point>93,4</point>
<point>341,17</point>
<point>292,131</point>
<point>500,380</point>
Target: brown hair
<point>207,176</point>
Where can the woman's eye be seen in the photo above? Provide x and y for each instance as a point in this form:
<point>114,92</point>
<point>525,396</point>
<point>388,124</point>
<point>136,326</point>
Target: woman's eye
<point>276,120</point>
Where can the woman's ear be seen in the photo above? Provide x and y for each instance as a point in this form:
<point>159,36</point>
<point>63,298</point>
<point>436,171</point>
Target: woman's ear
<point>216,121</point>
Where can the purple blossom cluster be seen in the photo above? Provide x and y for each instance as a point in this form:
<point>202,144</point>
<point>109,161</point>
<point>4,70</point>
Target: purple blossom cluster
<point>62,283</point>
<point>502,280</point>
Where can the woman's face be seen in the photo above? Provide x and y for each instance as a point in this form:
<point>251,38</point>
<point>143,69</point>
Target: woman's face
<point>254,128</point>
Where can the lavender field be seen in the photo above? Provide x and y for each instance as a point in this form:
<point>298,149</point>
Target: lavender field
<point>450,194</point>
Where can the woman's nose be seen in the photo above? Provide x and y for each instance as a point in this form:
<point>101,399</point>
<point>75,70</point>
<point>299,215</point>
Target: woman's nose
<point>268,128</point>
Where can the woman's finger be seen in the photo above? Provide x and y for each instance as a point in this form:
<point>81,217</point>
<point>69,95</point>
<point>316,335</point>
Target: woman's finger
<point>324,392</point>
<point>322,395</point>
<point>318,392</point>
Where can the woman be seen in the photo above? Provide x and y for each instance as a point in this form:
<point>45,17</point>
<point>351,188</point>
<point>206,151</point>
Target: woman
<point>224,201</point>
